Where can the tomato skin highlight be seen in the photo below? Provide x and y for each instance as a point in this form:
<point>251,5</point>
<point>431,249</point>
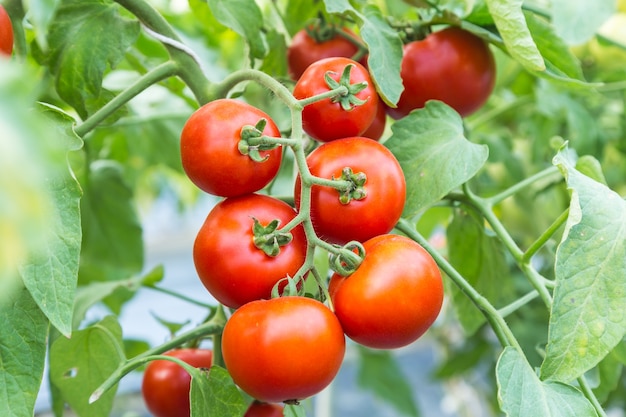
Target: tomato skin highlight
<point>210,155</point>
<point>358,220</point>
<point>228,263</point>
<point>451,65</point>
<point>305,50</point>
<point>261,409</point>
<point>326,120</point>
<point>165,385</point>
<point>286,348</point>
<point>6,33</point>
<point>393,297</point>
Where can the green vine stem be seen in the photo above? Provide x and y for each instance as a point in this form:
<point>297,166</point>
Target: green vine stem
<point>211,327</point>
<point>547,235</point>
<point>181,297</point>
<point>159,73</point>
<point>497,322</point>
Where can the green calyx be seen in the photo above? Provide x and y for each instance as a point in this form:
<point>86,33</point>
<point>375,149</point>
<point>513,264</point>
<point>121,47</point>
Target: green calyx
<point>348,258</point>
<point>348,100</point>
<point>355,189</point>
<point>252,143</point>
<point>268,238</point>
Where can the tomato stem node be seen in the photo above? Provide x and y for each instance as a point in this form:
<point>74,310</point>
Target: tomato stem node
<point>347,100</point>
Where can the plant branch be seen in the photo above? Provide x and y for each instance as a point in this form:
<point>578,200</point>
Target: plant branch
<point>181,297</point>
<point>159,73</point>
<point>546,173</point>
<point>547,235</point>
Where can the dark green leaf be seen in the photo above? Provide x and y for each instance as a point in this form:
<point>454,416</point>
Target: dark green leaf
<point>522,394</point>
<point>23,336</point>
<point>112,240</point>
<point>588,317</point>
<point>576,21</point>
<point>479,256</point>
<point>214,393</point>
<point>434,154</point>
<point>380,373</point>
<point>385,54</point>
<point>86,38</point>
<point>245,18</point>
<point>79,365</point>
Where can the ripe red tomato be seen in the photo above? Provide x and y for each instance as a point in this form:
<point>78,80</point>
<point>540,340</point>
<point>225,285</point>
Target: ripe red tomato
<point>327,120</point>
<point>261,409</point>
<point>6,33</point>
<point>165,385</point>
<point>362,219</point>
<point>392,298</point>
<point>210,155</point>
<point>305,50</point>
<point>228,263</point>
<point>286,348</point>
<point>451,65</point>
<point>377,128</point>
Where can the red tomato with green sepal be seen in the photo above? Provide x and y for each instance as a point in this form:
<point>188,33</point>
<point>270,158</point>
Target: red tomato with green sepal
<point>165,385</point>
<point>363,217</point>
<point>209,146</point>
<point>452,65</point>
<point>283,349</point>
<point>392,298</point>
<point>231,267</point>
<point>338,117</point>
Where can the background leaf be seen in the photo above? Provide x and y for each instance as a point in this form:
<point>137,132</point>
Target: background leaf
<point>79,365</point>
<point>434,154</point>
<point>576,21</point>
<point>522,394</point>
<point>588,317</point>
<point>214,393</point>
<point>23,336</point>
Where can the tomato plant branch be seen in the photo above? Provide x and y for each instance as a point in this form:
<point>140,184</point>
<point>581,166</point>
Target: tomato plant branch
<point>159,73</point>
<point>211,327</point>
<point>588,392</point>
<point>545,236</point>
<point>514,189</point>
<point>181,297</point>
<point>189,69</point>
<point>517,304</point>
<point>221,89</point>
<point>497,322</point>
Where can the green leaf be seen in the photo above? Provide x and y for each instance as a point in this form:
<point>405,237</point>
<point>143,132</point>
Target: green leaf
<point>292,410</point>
<point>245,18</point>
<point>522,394</point>
<point>214,393</point>
<point>23,335</point>
<point>112,240</point>
<point>81,364</point>
<point>434,154</point>
<point>509,19</point>
<point>86,38</point>
<point>380,373</point>
<point>385,54</point>
<point>576,21</point>
<point>50,273</point>
<point>605,378</point>
<point>339,6</point>
<point>588,317</point>
<point>479,256</point>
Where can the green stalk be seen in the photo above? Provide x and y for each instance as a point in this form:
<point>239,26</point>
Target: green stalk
<point>159,73</point>
<point>181,296</point>
<point>547,235</point>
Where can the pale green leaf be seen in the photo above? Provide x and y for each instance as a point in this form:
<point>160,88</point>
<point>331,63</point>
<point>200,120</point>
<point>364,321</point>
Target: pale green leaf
<point>385,54</point>
<point>577,21</point>
<point>214,393</point>
<point>434,154</point>
<point>380,373</point>
<point>479,256</point>
<point>522,394</point>
<point>23,335</point>
<point>293,410</point>
<point>338,6</point>
<point>509,19</point>
<point>588,317</point>
<point>245,18</point>
<point>87,37</point>
<point>78,366</point>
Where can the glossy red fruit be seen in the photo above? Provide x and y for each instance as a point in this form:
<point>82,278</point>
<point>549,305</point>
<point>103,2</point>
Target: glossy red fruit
<point>261,409</point>
<point>392,298</point>
<point>286,348</point>
<point>229,264</point>
<point>359,219</point>
<point>305,50</point>
<point>6,33</point>
<point>165,385</point>
<point>327,119</point>
<point>377,128</point>
<point>451,65</point>
<point>210,154</point>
